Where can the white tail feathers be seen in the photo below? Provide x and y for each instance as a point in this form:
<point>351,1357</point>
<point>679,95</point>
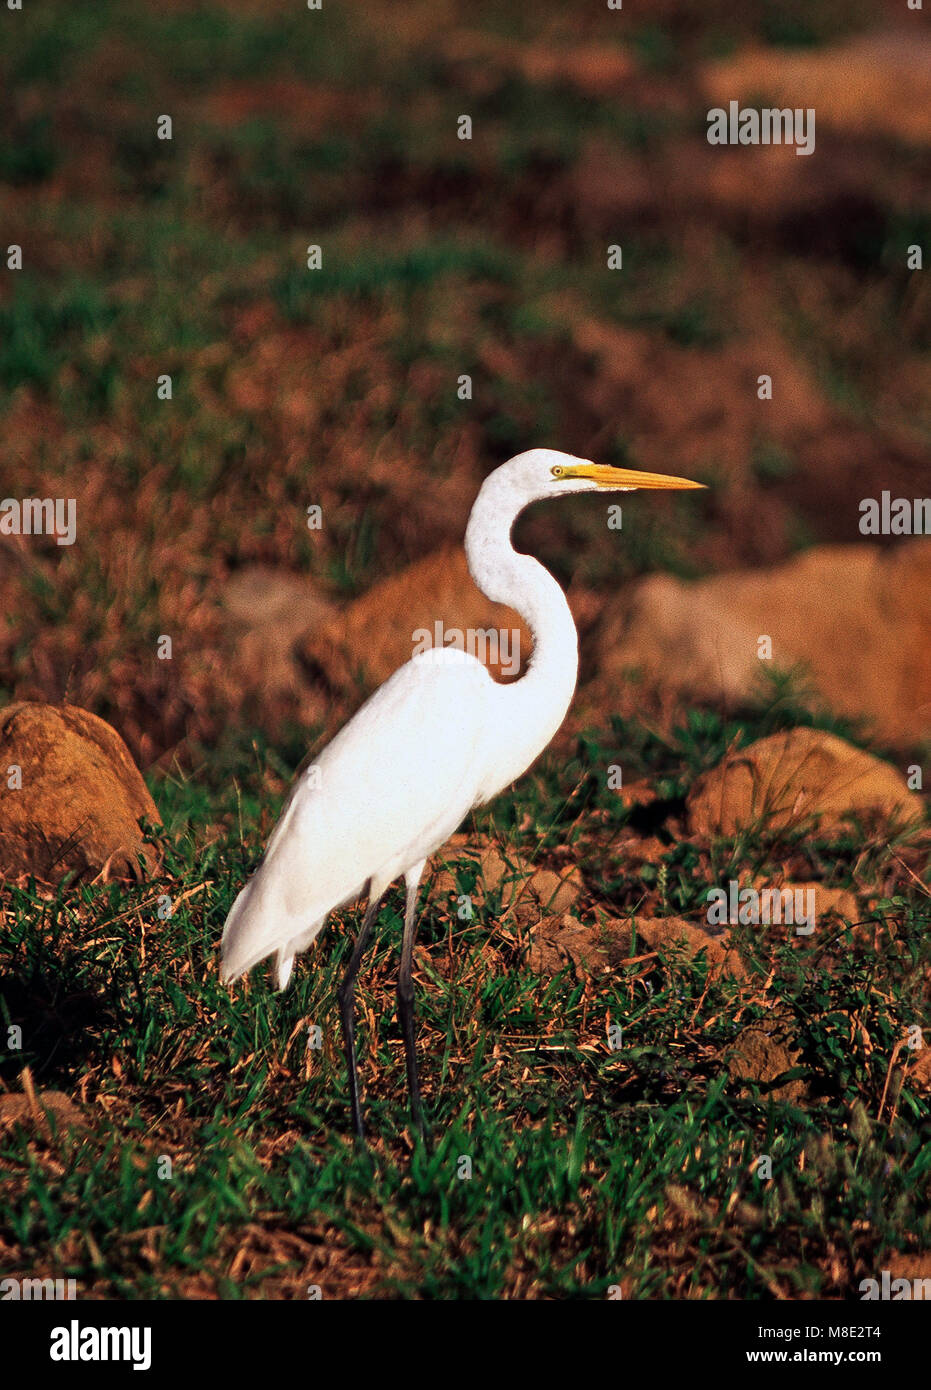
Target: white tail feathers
<point>233,959</point>
<point>283,967</point>
<point>254,930</point>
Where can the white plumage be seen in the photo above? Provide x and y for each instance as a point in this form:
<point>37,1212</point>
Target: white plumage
<point>438,738</point>
<point>417,742</point>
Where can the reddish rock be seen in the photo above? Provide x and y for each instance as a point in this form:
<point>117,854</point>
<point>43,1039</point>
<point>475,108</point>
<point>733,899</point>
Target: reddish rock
<point>797,780</point>
<point>760,1055</point>
<point>877,84</point>
<point>81,800</point>
<point>558,941</point>
<point>857,618</point>
<point>667,934</point>
<point>375,635</point>
<point>37,1109</point>
<point>519,883</point>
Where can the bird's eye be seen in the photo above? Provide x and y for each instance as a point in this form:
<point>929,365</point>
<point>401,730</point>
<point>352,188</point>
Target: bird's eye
<point>556,471</point>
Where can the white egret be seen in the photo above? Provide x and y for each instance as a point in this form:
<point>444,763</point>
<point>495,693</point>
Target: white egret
<point>438,738</point>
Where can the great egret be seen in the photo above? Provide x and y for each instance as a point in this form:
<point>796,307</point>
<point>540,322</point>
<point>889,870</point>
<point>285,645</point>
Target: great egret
<point>438,738</point>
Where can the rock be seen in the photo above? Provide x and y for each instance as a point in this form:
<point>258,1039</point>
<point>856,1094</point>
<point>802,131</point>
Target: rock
<point>376,634</point>
<point>857,618</point>
<point>78,809</point>
<point>268,611</point>
<point>761,1056</point>
<point>668,934</point>
<point>795,780</point>
<point>555,892</point>
<point>829,902</point>
<point>556,942</point>
<point>33,1110</point>
<point>878,84</point>
<point>519,883</point>
<point>919,1069</point>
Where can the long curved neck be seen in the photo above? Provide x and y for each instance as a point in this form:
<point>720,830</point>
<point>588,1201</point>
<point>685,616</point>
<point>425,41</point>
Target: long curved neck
<point>540,699</point>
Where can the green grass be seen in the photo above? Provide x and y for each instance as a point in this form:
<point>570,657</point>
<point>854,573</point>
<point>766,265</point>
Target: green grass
<point>590,1167</point>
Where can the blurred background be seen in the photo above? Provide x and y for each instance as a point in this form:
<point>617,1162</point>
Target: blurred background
<point>443,257</point>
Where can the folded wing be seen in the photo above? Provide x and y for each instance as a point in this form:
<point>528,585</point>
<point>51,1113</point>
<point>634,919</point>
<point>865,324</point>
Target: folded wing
<point>388,790</point>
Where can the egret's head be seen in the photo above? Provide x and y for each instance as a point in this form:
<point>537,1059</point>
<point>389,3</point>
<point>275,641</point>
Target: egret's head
<point>543,473</point>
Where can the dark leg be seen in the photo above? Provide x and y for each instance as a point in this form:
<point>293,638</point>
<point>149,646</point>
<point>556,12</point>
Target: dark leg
<point>406,995</point>
<point>347,996</point>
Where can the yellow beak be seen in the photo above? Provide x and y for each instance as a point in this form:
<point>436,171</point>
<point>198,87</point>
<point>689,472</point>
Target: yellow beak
<point>624,478</point>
